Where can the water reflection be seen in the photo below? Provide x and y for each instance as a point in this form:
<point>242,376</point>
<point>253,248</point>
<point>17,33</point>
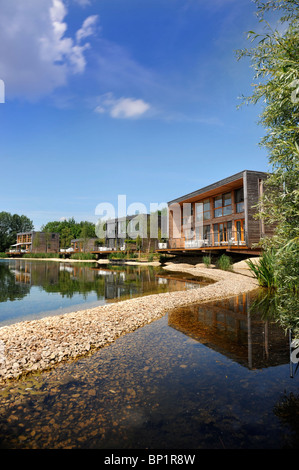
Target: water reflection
<point>33,289</point>
<point>212,376</point>
<point>233,329</point>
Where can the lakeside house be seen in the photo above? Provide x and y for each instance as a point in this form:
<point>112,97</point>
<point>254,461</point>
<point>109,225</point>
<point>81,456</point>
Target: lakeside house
<point>124,231</point>
<point>36,242</point>
<point>220,216</point>
<point>83,245</point>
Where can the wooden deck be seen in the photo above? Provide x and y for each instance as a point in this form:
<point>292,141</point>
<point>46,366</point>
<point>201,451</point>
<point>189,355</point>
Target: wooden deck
<point>230,249</point>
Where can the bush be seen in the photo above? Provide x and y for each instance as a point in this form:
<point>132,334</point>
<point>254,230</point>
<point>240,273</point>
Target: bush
<point>224,263</point>
<point>83,256</point>
<point>40,255</point>
<point>3,255</point>
<point>207,261</point>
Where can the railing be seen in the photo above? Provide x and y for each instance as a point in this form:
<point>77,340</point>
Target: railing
<point>217,239</point>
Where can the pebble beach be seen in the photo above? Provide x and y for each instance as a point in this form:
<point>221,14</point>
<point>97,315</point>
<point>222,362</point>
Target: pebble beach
<point>39,345</point>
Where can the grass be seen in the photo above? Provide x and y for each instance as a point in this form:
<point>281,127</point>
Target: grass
<point>40,255</point>
<point>264,270</point>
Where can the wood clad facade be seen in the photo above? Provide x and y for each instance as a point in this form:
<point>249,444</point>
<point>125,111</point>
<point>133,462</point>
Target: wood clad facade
<point>37,242</point>
<point>221,215</point>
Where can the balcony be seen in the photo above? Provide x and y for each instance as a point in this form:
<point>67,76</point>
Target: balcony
<point>232,238</point>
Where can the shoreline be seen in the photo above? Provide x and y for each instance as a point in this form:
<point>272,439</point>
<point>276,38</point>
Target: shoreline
<point>39,345</point>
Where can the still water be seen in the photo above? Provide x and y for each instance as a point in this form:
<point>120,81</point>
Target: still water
<point>34,289</point>
<point>212,376</point>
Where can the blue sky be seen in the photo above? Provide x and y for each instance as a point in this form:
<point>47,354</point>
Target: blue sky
<point>121,97</point>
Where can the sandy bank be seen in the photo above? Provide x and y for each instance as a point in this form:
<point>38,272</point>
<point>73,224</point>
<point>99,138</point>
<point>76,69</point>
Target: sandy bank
<point>35,345</point>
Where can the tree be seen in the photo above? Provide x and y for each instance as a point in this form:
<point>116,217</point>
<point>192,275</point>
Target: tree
<point>70,230</point>
<point>10,225</point>
<point>275,59</point>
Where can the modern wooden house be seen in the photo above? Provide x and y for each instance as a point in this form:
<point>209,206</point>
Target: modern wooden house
<point>80,245</point>
<point>36,242</point>
<point>220,216</point>
<point>124,231</point>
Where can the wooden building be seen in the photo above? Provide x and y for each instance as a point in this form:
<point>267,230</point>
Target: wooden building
<point>36,242</point>
<point>220,216</point>
<point>83,245</point>
<point>124,231</point>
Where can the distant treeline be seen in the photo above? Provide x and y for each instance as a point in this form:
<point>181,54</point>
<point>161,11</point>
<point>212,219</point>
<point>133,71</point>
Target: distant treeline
<point>10,225</point>
<point>70,230</point>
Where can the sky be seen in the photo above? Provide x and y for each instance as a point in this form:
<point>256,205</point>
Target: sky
<point>130,98</point>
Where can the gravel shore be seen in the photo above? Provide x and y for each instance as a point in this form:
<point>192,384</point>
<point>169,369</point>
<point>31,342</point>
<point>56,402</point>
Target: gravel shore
<point>38,345</point>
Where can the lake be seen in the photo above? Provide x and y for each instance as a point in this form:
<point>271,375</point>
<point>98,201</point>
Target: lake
<point>34,289</point>
<point>209,376</point>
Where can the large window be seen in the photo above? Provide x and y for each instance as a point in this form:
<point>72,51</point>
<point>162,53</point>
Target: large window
<point>222,205</point>
<point>239,198</point>
<point>207,234</point>
<point>203,210</point>
<point>206,209</point>
<point>222,232</point>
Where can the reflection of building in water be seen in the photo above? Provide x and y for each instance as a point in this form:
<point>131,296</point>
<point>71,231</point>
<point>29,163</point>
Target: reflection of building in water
<point>228,327</point>
<point>34,273</point>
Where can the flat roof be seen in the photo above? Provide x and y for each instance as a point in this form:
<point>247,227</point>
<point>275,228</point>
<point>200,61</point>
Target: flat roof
<point>225,182</point>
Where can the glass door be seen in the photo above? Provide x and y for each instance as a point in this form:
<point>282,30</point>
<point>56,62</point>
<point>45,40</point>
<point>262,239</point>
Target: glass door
<point>240,228</point>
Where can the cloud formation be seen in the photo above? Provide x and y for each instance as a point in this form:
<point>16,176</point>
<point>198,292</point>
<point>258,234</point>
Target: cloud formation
<point>122,108</point>
<point>36,54</point>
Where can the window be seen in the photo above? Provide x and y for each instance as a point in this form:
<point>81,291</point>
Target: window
<point>207,233</point>
<point>239,198</point>
<point>187,213</point>
<point>199,211</point>
<point>206,209</point>
<point>222,205</point>
<point>222,233</point>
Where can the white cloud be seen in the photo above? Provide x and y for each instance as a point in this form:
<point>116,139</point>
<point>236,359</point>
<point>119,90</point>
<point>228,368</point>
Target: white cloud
<point>83,3</point>
<point>122,108</point>
<point>36,54</point>
<point>88,28</point>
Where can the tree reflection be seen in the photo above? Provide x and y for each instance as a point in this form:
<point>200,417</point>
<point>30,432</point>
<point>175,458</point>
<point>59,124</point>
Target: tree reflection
<point>9,289</point>
<point>282,308</point>
<point>287,410</point>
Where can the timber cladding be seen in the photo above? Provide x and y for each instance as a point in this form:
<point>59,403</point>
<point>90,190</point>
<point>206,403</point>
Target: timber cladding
<point>253,189</point>
<point>229,213</point>
<point>45,242</point>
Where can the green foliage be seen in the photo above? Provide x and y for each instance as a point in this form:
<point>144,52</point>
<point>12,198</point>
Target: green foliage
<point>224,263</point>
<point>264,270</point>
<point>70,230</point>
<point>83,256</point>
<point>40,255</point>
<point>121,255</point>
<point>275,60</point>
<point>3,255</point>
<point>10,225</point>
<point>207,261</point>
<point>151,257</point>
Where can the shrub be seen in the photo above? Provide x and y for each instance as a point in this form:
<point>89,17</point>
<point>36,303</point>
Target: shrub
<point>224,263</point>
<point>83,256</point>
<point>207,261</point>
<point>40,255</point>
<point>264,270</point>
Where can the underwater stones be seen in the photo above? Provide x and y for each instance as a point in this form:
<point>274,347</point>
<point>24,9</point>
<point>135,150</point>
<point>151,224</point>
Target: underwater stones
<point>31,346</point>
